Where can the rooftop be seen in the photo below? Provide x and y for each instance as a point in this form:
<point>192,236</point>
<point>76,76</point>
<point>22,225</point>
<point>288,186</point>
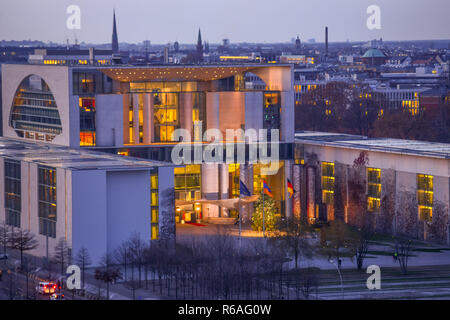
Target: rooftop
<point>410,147</point>
<point>64,157</point>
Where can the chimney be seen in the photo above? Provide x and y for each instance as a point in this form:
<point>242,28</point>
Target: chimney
<point>91,56</point>
<point>326,42</point>
<point>166,55</point>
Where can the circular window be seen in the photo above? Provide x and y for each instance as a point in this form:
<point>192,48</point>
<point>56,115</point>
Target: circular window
<point>34,114</point>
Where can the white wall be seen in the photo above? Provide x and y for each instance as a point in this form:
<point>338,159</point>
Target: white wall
<point>109,120</point>
<point>128,206</point>
<point>89,212</point>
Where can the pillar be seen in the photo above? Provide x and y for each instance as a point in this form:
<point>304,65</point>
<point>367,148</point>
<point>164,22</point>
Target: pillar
<point>224,184</point>
<point>210,188</point>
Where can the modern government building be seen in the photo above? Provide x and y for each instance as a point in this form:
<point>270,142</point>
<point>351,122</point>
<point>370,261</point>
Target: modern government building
<point>86,154</point>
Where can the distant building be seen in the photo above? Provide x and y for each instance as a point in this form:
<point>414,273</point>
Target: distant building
<point>374,57</point>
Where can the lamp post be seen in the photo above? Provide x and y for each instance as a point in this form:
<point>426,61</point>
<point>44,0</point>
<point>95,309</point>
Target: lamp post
<point>340,276</point>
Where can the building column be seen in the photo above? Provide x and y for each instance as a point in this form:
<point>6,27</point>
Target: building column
<point>186,112</point>
<point>126,120</point>
<point>210,189</point>
<point>288,175</point>
<point>296,199</point>
<point>212,111</point>
<point>311,192</point>
<point>148,118</point>
<point>224,187</point>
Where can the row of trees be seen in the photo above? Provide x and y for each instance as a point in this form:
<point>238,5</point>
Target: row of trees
<point>357,109</point>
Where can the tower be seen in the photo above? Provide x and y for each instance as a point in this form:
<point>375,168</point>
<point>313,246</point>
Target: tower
<point>199,47</point>
<point>298,45</point>
<point>326,42</point>
<point>115,39</point>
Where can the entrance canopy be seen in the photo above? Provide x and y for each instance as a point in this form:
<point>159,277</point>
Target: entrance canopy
<point>225,203</point>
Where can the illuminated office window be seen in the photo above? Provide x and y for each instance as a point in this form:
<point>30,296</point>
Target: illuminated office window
<point>328,182</point>
<point>425,196</point>
<point>373,189</point>
<point>154,223</point>
<point>166,108</point>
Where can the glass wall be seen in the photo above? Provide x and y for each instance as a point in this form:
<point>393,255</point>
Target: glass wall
<point>87,121</point>
<point>47,201</point>
<point>166,111</point>
<point>34,112</point>
<point>12,193</point>
<point>272,112</point>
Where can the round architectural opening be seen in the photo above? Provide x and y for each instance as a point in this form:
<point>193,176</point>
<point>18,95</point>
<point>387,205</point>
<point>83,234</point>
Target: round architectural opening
<point>34,113</point>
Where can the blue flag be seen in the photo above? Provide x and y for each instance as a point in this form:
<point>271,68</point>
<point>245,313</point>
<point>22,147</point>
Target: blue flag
<point>243,190</point>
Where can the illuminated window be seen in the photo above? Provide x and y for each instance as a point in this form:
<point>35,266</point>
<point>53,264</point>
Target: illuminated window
<point>166,106</point>
<point>328,182</point>
<point>154,223</point>
<point>425,196</point>
<point>87,121</point>
<point>373,189</point>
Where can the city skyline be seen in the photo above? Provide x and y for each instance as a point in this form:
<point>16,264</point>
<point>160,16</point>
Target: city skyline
<point>218,21</point>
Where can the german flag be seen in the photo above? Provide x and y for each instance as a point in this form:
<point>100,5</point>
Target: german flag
<point>290,188</point>
<point>267,190</point>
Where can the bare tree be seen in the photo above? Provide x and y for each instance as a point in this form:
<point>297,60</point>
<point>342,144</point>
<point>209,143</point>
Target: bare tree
<point>62,254</point>
<point>338,241</point>
<point>122,256</point>
<point>137,250</point>
<point>108,273</point>
<point>83,259</point>
<point>23,240</point>
<point>4,236</point>
<point>402,252</point>
<point>294,236</point>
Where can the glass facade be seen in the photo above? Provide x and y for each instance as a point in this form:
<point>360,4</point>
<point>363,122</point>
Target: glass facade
<point>425,196</point>
<point>47,201</point>
<point>12,193</point>
<point>188,183</point>
<point>272,112</point>
<point>373,189</point>
<point>90,82</point>
<point>34,112</point>
<point>166,111</point>
<point>154,203</point>
<point>87,121</point>
<point>328,183</point>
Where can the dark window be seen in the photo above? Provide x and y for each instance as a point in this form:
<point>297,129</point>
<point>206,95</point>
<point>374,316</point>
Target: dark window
<point>47,201</point>
<point>12,193</point>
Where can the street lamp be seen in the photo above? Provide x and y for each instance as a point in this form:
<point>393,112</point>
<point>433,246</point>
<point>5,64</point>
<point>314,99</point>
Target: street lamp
<point>340,275</point>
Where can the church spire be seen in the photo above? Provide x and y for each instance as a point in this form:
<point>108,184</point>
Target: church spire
<point>199,47</point>
<point>115,39</point>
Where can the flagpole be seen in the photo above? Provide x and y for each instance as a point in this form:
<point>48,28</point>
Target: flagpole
<point>240,222</point>
<point>264,220</point>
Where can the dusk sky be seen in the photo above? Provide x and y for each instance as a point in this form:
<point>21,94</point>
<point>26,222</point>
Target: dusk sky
<point>238,20</point>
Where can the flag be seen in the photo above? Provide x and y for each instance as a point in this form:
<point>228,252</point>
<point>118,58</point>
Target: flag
<point>243,190</point>
<point>290,188</point>
<point>267,190</point>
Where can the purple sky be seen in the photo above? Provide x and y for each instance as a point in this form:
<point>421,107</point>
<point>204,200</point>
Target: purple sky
<point>239,20</point>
